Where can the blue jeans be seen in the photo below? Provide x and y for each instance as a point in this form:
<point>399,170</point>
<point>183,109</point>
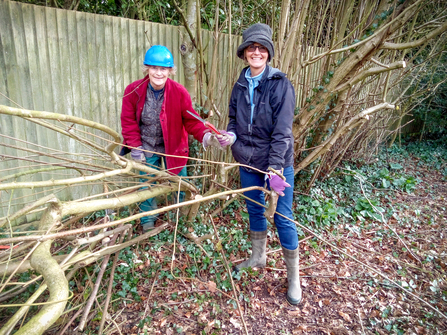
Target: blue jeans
<point>151,203</point>
<point>286,228</point>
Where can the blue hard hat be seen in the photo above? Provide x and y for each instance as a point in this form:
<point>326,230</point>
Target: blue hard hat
<point>159,55</point>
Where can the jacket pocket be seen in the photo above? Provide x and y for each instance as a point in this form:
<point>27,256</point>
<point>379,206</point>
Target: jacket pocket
<point>240,152</point>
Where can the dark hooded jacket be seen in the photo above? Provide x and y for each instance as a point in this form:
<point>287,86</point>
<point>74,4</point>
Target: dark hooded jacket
<point>267,141</point>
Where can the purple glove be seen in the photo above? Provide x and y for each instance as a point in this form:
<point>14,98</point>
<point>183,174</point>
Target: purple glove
<point>138,155</point>
<point>226,138</point>
<point>277,184</point>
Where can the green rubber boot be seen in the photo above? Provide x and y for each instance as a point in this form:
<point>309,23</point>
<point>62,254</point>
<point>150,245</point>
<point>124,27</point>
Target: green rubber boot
<point>258,257</point>
<point>294,293</point>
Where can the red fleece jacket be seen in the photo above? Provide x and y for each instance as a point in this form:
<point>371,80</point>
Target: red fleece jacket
<point>176,123</point>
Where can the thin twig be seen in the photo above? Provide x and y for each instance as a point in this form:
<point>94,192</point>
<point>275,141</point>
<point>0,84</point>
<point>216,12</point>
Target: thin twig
<point>220,249</point>
<point>96,287</point>
<point>146,308</point>
<point>109,288</point>
<point>109,318</point>
<point>71,321</point>
<point>361,322</point>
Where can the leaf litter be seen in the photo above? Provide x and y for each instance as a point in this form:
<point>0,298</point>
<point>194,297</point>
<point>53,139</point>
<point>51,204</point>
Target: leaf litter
<point>340,296</point>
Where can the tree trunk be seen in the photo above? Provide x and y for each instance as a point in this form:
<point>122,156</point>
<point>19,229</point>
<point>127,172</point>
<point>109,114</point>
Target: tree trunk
<point>189,58</point>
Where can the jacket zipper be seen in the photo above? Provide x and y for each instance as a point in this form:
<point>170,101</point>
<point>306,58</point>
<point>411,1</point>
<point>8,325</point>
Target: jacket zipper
<point>250,126</point>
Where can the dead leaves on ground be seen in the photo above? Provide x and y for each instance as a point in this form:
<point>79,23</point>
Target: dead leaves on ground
<point>340,296</point>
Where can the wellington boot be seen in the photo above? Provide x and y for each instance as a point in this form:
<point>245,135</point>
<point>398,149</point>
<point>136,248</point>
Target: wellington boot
<point>148,226</point>
<point>294,293</point>
<point>258,257</point>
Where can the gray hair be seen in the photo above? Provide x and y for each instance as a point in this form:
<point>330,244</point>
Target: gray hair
<point>145,69</point>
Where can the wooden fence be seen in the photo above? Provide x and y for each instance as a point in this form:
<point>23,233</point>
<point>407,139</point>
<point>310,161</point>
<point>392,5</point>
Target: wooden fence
<point>78,64</point>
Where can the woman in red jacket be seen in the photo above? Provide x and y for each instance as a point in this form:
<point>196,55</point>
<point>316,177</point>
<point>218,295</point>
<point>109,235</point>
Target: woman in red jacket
<point>155,121</point>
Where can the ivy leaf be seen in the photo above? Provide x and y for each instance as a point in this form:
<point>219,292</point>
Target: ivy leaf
<point>396,166</point>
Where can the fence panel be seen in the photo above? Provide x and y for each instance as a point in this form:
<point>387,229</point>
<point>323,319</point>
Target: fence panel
<point>78,64</point>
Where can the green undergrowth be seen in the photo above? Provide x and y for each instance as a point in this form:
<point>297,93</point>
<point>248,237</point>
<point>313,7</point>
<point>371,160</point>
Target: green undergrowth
<point>356,197</point>
<point>358,194</point>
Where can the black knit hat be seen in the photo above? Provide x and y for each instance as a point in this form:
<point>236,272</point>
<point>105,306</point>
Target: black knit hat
<point>257,33</point>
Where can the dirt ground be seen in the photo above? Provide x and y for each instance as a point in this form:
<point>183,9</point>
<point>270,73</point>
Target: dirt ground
<point>340,295</point>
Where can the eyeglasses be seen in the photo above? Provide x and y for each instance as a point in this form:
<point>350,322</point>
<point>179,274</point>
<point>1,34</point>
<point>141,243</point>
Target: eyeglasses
<point>261,48</point>
<point>162,69</point>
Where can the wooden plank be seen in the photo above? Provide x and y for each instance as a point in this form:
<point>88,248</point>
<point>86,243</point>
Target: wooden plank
<point>101,71</point>
<point>134,56</point>
<point>25,130</point>
<point>112,97</point>
<point>7,61</point>
<point>65,81</point>
<point>40,134</point>
<point>73,65</point>
<point>177,56</point>
<point>82,35</point>
<point>143,46</point>
<point>6,52</point>
<point>58,65</point>
<point>117,49</point>
<point>92,68</point>
<point>44,61</point>
<point>125,51</point>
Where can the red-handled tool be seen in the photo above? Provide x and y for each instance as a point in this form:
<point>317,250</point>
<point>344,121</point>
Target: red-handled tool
<point>205,123</point>
<point>6,247</point>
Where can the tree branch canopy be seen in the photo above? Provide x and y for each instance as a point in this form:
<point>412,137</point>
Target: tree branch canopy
<point>417,43</point>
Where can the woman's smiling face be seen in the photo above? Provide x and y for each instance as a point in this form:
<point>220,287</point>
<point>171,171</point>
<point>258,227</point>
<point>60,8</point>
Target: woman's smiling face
<point>257,56</point>
<point>158,76</point>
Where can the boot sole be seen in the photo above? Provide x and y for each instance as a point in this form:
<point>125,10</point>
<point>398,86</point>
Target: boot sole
<point>293,302</point>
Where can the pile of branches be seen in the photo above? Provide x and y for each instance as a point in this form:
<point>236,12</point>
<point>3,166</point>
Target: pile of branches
<point>41,219</point>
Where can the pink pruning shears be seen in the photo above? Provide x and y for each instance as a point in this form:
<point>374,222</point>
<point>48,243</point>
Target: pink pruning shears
<point>205,123</point>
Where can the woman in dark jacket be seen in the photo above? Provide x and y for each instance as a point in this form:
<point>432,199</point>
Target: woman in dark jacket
<point>261,114</point>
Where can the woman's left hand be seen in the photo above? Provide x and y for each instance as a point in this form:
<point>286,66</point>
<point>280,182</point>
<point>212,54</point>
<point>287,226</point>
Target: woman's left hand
<point>225,138</point>
<point>277,184</point>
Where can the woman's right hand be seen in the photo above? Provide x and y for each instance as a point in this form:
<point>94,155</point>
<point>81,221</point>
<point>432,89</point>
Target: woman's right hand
<point>138,155</point>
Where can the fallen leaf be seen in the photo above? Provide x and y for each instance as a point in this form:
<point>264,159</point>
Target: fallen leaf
<point>210,326</point>
<point>302,327</point>
<point>235,323</point>
<point>345,316</point>
<point>163,322</point>
<point>297,312</point>
<point>212,286</point>
<point>420,330</point>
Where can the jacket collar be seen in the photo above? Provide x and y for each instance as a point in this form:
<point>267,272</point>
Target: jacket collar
<point>269,73</point>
